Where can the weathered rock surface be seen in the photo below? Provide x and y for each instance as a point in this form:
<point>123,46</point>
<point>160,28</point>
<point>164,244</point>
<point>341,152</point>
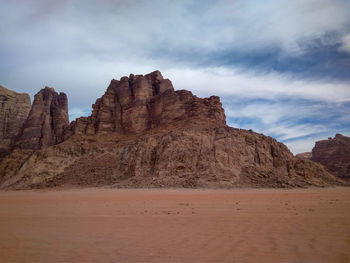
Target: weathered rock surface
<point>334,153</point>
<point>142,133</point>
<point>47,120</point>
<point>184,157</point>
<point>14,109</point>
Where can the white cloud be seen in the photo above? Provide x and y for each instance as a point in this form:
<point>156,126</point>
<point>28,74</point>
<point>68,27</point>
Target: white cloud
<point>78,112</point>
<point>81,45</point>
<point>303,145</point>
<point>345,45</point>
<point>278,119</point>
<point>229,82</point>
<point>269,112</point>
<point>129,28</point>
<point>287,132</point>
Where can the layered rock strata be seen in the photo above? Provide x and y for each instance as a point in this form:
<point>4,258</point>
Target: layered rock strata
<point>14,109</point>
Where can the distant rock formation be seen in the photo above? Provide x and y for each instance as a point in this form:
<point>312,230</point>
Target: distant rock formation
<point>304,155</point>
<point>46,121</point>
<point>334,153</point>
<point>14,109</point>
<point>143,133</point>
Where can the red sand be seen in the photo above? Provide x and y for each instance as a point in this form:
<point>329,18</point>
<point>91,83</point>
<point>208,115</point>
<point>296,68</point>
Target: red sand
<point>98,225</point>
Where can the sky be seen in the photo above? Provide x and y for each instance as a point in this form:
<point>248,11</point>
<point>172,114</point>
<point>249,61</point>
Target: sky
<point>280,67</point>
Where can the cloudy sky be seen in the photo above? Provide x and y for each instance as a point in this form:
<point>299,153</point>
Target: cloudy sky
<point>281,67</point>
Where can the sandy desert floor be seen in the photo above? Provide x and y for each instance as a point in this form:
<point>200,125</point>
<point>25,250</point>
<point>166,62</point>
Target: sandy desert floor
<point>242,225</point>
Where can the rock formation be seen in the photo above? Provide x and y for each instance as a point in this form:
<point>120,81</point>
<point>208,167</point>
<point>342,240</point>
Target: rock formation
<point>14,109</point>
<point>304,155</point>
<point>47,120</point>
<point>334,153</point>
<point>140,103</point>
<point>143,133</point>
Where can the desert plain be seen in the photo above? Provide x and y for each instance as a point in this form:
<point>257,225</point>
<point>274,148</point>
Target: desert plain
<point>175,225</point>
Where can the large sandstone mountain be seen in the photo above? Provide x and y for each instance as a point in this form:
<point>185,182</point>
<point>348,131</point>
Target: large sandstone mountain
<point>143,133</point>
<point>334,153</point>
<point>14,109</point>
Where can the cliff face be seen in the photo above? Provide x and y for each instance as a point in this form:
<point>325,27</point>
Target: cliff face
<point>46,122</point>
<point>14,109</point>
<point>143,133</point>
<point>334,153</point>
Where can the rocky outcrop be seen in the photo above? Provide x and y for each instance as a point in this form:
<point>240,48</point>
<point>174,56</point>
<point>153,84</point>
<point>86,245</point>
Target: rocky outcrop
<point>143,133</point>
<point>47,120</point>
<point>334,153</point>
<point>185,157</point>
<point>14,109</point>
<point>139,103</point>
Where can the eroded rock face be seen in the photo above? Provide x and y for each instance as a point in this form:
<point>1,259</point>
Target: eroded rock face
<point>334,153</point>
<point>142,133</point>
<point>139,103</point>
<point>46,122</point>
<point>14,109</point>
